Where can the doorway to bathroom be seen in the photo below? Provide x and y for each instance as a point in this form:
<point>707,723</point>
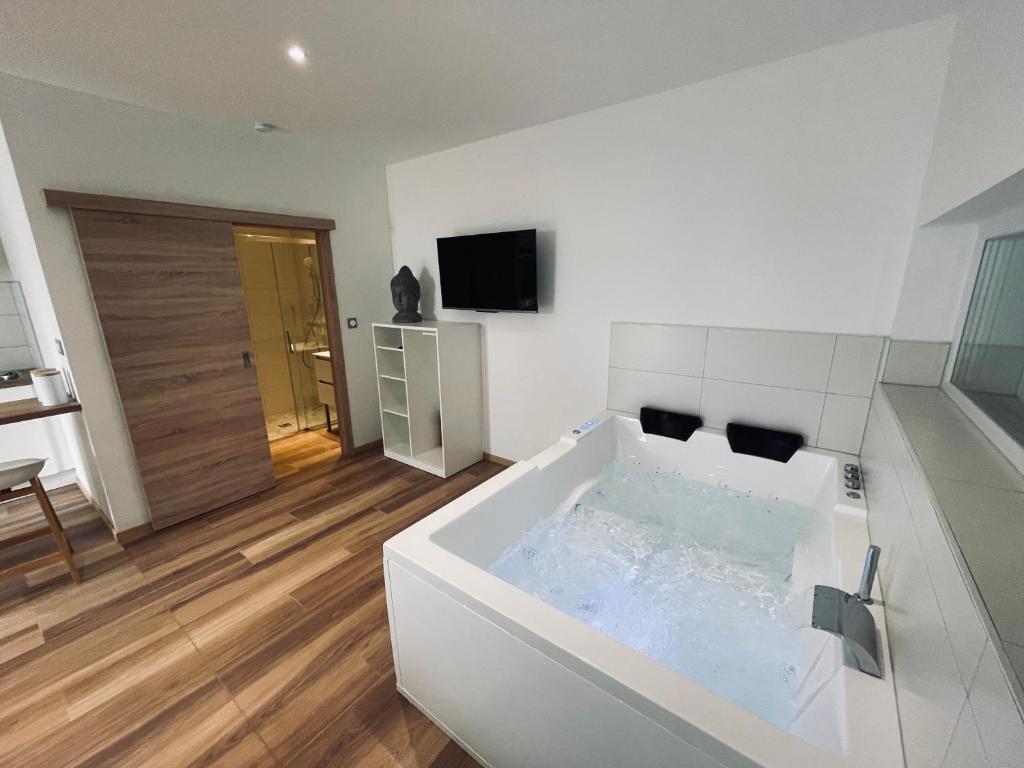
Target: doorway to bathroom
<point>165,279</point>
<point>285,303</point>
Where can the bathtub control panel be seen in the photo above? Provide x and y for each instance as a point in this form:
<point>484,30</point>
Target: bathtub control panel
<point>852,479</point>
<point>584,429</point>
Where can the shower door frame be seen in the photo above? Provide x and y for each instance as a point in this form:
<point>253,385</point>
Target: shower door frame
<point>322,228</point>
<point>1000,438</point>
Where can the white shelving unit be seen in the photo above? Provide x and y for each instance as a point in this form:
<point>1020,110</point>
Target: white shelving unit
<point>431,401</point>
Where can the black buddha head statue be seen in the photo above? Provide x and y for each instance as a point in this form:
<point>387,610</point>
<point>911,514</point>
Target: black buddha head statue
<point>405,294</point>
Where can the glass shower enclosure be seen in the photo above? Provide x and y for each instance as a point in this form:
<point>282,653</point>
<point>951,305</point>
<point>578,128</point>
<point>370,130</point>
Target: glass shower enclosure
<point>989,367</point>
<point>284,299</point>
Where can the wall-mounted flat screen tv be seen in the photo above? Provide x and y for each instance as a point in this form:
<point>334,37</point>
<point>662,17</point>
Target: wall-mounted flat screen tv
<point>495,272</point>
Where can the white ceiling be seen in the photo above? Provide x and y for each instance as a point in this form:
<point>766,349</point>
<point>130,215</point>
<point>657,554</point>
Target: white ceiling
<point>411,76</point>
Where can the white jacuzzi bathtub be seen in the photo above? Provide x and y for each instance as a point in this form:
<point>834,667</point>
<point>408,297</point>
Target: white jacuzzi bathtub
<point>518,683</point>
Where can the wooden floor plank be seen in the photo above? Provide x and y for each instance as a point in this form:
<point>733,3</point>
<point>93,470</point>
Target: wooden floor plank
<point>380,729</point>
<point>254,635</point>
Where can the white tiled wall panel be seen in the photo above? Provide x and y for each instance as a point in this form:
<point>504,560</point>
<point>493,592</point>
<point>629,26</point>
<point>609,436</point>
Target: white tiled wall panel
<point>929,691</point>
<point>999,721</point>
<point>955,705</point>
<point>16,358</point>
<point>17,339</point>
<point>982,519</point>
<point>919,363</point>
<point>965,748</point>
<point>12,332</point>
<point>842,423</point>
<point>773,358</point>
<point>793,410</point>
<point>662,348</point>
<point>967,636</point>
<point>630,390</point>
<point>775,379</point>
<point>855,365</point>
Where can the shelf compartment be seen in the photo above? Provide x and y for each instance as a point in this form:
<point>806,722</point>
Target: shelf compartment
<point>392,395</point>
<point>396,434</point>
<point>434,457</point>
<point>391,363</point>
<point>387,337</point>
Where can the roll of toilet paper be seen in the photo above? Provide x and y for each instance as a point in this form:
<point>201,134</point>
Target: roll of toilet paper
<point>49,386</point>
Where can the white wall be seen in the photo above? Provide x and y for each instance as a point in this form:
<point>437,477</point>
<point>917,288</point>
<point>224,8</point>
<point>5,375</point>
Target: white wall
<point>5,271</point>
<point>937,268</point>
<point>68,140</point>
<point>974,168</point>
<point>781,197</point>
<point>979,140</point>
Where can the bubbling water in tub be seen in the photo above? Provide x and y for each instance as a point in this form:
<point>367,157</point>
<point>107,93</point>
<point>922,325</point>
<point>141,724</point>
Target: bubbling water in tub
<point>697,577</point>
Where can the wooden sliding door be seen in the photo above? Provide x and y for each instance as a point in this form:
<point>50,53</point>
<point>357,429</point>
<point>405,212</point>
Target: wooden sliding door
<point>169,298</point>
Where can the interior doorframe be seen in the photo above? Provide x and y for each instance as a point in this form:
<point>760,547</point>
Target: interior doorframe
<point>56,198</point>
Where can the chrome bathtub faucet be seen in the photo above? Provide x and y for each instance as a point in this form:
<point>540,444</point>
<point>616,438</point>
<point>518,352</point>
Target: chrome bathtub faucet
<point>847,617</point>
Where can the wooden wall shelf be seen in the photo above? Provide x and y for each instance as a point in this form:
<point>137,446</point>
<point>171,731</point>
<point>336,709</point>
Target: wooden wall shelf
<point>26,410</point>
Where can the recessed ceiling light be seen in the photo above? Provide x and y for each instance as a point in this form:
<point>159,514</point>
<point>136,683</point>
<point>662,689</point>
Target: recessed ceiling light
<point>297,54</point>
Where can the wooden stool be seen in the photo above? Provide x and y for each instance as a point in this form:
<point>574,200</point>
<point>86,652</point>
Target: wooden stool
<point>14,473</point>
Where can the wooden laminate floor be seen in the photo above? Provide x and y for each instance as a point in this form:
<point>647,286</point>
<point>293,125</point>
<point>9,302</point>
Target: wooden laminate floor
<point>255,635</point>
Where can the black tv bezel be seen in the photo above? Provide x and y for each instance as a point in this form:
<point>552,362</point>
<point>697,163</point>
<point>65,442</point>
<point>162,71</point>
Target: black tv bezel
<point>536,292</point>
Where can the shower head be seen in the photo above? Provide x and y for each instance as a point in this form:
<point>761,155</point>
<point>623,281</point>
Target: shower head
<point>308,261</point>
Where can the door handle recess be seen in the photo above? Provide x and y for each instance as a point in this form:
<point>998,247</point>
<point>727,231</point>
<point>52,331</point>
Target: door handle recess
<point>247,360</point>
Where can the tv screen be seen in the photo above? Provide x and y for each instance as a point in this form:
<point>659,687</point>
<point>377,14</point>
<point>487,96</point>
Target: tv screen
<point>490,273</point>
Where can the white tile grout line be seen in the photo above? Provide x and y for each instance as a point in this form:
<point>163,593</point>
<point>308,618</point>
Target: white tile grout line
<point>977,665</point>
<point>703,370</point>
<point>734,381</point>
<point>767,330</point>
<point>981,739</point>
<point>824,400</point>
<point>956,727</point>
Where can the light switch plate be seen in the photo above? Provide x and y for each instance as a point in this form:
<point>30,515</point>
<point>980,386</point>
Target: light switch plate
<point>351,322</point>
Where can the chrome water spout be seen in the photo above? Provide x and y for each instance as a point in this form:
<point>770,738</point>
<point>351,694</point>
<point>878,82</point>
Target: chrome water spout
<point>847,617</point>
<point>867,577</point>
